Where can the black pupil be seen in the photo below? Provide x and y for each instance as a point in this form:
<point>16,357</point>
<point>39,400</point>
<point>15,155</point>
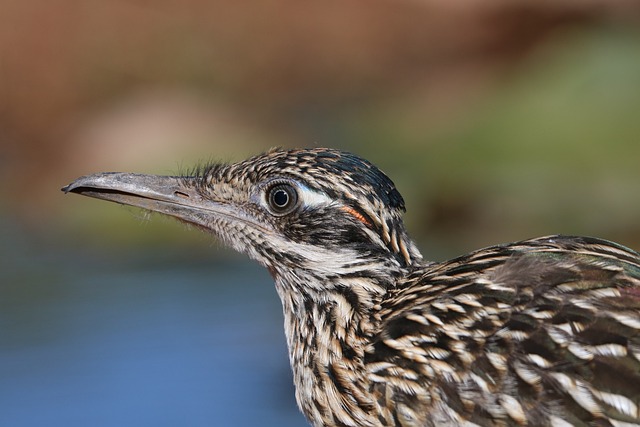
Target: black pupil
<point>280,198</point>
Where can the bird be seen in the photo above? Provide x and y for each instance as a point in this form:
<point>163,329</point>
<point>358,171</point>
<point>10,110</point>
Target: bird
<point>540,332</point>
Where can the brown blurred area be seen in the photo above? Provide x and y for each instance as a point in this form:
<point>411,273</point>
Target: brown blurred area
<point>154,86</point>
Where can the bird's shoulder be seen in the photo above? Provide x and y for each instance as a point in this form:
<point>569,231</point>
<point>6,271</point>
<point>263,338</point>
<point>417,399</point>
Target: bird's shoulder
<point>555,313</point>
<point>518,273</point>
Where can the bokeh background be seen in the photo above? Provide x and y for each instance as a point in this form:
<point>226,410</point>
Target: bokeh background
<point>497,120</point>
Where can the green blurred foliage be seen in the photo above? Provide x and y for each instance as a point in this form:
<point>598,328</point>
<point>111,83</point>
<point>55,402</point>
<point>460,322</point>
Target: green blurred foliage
<point>555,150</point>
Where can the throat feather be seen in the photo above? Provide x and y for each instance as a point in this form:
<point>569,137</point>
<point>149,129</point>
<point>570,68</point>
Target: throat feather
<point>327,333</point>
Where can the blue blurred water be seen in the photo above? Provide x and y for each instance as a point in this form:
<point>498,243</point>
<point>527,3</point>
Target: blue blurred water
<point>94,340</point>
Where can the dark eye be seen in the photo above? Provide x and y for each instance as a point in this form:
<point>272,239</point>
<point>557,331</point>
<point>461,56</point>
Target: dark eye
<point>282,198</point>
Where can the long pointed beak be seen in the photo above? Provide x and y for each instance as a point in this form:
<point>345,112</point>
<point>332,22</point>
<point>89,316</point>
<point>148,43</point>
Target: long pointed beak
<point>151,192</point>
<point>169,195</point>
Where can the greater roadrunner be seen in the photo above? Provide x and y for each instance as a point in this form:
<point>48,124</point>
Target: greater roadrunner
<point>540,332</point>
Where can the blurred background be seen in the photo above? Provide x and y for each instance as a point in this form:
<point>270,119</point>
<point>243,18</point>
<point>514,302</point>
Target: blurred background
<point>497,120</point>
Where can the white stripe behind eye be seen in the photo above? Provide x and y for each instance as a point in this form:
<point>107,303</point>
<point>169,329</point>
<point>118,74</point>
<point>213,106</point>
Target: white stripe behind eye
<point>313,198</point>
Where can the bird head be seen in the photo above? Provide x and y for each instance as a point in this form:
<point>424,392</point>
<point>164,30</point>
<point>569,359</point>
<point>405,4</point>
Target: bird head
<point>317,210</point>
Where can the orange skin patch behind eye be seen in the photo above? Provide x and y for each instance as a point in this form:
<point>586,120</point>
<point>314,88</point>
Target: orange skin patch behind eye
<point>357,215</point>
